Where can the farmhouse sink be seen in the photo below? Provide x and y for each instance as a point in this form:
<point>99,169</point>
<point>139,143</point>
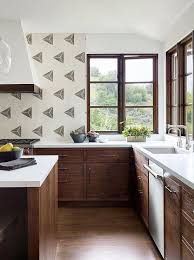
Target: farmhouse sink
<point>166,150</point>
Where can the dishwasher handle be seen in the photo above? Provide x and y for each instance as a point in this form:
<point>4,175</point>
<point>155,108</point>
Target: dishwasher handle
<point>157,176</point>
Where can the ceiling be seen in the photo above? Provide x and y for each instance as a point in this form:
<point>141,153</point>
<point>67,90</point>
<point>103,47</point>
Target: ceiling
<point>152,18</point>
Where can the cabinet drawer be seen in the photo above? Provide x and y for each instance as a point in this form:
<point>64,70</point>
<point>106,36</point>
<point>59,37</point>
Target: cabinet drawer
<point>71,183</point>
<point>187,253</point>
<point>188,202</point>
<point>188,231</point>
<point>108,155</point>
<point>66,155</point>
<point>70,173</point>
<point>71,191</point>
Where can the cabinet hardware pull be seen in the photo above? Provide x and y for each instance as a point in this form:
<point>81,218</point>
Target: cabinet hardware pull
<point>152,172</point>
<point>168,189</point>
<point>89,171</point>
<point>63,168</point>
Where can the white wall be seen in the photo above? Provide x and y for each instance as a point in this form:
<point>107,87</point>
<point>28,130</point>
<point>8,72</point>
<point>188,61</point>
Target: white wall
<point>183,26</point>
<point>11,32</point>
<point>131,43</point>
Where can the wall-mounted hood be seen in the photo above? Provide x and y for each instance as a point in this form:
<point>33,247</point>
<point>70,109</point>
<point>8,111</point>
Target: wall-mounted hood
<point>22,76</point>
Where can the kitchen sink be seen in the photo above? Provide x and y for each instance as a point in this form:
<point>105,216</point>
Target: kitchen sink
<point>165,150</point>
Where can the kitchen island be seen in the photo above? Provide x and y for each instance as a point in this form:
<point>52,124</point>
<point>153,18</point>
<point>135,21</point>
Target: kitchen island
<point>28,207</point>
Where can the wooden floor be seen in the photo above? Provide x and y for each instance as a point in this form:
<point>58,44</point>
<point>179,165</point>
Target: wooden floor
<point>102,234</point>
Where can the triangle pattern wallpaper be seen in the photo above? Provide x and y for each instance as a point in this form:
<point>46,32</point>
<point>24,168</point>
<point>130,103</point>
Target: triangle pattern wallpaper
<point>60,107</point>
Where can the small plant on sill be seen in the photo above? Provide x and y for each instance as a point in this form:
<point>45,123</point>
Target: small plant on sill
<point>135,133</point>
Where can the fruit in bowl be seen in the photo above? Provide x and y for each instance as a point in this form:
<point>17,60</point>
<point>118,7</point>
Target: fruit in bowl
<point>8,152</point>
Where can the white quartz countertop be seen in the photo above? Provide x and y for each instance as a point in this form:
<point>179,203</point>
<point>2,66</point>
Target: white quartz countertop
<point>91,145</point>
<point>31,176</point>
<point>179,165</point>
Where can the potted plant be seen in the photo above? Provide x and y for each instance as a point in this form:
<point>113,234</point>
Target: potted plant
<point>136,134</point>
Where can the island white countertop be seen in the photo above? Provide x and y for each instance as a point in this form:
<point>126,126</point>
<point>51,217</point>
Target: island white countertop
<point>31,176</point>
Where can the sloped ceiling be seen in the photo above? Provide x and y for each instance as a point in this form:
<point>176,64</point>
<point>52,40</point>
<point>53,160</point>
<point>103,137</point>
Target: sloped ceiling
<point>152,18</point>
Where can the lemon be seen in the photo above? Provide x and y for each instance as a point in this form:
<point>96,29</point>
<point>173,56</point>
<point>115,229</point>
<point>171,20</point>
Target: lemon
<point>6,148</point>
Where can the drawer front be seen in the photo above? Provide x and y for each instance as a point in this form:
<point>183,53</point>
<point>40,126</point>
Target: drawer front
<point>70,173</point>
<point>187,253</point>
<point>188,202</point>
<point>108,155</point>
<point>71,183</point>
<point>66,155</point>
<point>188,231</point>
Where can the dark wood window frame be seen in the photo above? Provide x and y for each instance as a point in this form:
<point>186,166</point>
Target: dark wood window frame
<point>121,88</point>
<point>180,50</point>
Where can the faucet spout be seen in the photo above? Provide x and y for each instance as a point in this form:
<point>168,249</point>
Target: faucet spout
<point>187,145</point>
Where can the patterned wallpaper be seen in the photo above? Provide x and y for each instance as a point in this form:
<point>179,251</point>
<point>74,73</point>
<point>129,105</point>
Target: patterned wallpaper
<point>59,61</point>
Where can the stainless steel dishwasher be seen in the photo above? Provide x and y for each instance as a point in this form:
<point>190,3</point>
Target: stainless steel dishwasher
<point>156,205</point>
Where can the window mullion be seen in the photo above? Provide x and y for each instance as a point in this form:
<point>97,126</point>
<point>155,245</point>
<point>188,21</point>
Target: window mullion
<point>121,93</point>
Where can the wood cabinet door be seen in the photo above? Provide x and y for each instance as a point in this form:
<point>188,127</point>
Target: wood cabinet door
<point>108,181</point>
<point>172,214</point>
<point>71,182</point>
<point>142,195</point>
<point>144,199</point>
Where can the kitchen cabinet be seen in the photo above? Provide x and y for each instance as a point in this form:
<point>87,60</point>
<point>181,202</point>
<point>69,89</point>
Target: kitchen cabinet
<point>107,181</point>
<point>71,182</point>
<point>172,219</point>
<point>28,218</point>
<point>93,174</point>
<point>142,183</point>
<point>187,223</point>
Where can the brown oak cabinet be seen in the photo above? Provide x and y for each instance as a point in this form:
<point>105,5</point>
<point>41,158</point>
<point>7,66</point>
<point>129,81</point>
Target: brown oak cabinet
<point>107,181</point>
<point>179,220</point>
<point>172,218</point>
<point>142,183</point>
<point>92,174</point>
<point>187,218</point>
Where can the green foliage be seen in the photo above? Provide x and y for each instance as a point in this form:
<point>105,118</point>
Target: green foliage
<point>139,94</point>
<point>136,131</point>
<point>106,94</point>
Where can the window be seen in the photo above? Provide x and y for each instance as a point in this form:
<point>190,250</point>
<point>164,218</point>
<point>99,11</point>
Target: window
<point>122,87</point>
<point>180,84</point>
<point>188,84</point>
<point>139,91</point>
<point>173,107</point>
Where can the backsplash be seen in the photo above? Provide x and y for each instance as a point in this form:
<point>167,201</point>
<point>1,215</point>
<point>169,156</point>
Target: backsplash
<point>60,64</point>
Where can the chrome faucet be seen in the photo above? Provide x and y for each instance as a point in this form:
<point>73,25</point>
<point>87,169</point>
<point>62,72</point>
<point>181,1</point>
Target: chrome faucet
<point>179,142</point>
<point>187,145</point>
